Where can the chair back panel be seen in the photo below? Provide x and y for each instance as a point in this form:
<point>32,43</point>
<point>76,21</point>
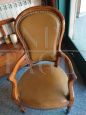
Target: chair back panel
<point>41,30</point>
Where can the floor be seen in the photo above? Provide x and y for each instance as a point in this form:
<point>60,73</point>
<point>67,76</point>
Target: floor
<point>7,107</point>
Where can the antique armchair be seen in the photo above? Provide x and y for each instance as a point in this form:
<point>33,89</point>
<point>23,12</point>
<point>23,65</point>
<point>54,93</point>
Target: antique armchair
<point>40,30</point>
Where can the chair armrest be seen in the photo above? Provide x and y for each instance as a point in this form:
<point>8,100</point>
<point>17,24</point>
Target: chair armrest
<point>72,75</point>
<point>12,78</point>
<point>13,74</point>
<point>2,22</point>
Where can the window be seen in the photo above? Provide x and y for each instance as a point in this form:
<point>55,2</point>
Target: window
<point>77,24</point>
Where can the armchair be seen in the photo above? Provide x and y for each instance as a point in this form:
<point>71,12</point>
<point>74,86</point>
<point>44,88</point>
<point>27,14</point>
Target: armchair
<point>40,30</point>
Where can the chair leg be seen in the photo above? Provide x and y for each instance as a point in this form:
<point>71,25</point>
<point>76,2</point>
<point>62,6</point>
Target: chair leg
<point>19,104</point>
<point>68,109</point>
<point>22,109</point>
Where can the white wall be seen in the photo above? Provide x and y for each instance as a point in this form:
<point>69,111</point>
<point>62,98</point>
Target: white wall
<point>15,7</point>
<point>83,6</point>
<point>36,2</point>
<point>73,10</point>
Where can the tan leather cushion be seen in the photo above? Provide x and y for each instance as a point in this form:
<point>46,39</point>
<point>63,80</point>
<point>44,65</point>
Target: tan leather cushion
<point>44,86</point>
<point>41,31</point>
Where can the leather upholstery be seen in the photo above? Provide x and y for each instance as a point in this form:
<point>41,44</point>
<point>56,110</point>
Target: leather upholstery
<point>41,31</point>
<point>44,86</point>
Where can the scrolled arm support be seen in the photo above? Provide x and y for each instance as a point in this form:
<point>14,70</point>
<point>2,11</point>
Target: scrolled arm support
<point>13,74</point>
<point>12,78</point>
<point>72,75</point>
<point>68,61</point>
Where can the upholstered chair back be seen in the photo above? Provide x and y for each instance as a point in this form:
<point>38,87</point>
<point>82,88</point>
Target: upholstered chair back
<point>40,29</point>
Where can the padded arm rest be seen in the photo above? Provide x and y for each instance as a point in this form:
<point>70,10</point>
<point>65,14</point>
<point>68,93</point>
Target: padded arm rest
<point>72,75</point>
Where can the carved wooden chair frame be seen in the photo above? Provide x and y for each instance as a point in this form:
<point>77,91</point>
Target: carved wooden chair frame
<point>59,53</point>
<point>6,21</point>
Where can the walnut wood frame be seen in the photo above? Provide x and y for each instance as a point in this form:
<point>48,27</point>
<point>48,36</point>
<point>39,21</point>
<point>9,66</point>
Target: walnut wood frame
<point>6,21</point>
<point>59,53</point>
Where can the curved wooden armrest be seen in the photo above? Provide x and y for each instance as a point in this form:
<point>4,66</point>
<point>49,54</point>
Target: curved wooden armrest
<point>12,78</point>
<point>69,63</point>
<point>13,74</point>
<point>72,75</point>
<point>6,21</point>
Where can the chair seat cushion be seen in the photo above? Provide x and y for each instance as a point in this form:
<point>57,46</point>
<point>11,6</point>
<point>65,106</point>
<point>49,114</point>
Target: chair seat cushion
<point>44,86</point>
